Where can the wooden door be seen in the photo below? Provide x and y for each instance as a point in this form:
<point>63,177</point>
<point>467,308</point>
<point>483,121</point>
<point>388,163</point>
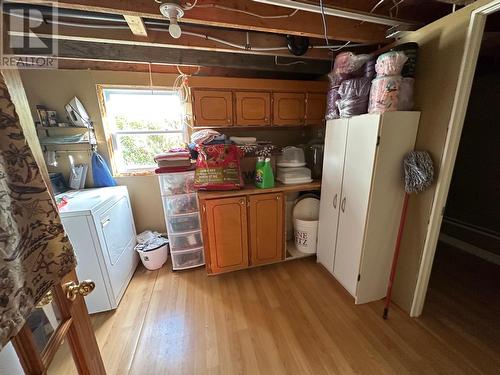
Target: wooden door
<point>226,222</point>
<point>331,190</point>
<point>358,171</point>
<point>266,228</point>
<point>72,322</point>
<point>253,108</point>
<point>212,108</point>
<point>315,108</point>
<point>289,108</point>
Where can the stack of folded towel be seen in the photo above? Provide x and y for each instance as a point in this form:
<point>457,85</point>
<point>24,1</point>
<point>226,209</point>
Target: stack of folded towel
<point>175,160</point>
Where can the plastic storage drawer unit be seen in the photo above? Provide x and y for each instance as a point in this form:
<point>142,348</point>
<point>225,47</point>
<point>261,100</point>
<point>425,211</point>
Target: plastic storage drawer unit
<point>183,223</point>
<point>180,204</point>
<point>176,183</point>
<point>187,259</point>
<point>185,241</point>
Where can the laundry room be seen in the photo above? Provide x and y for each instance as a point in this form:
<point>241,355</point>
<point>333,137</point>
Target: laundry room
<point>257,187</point>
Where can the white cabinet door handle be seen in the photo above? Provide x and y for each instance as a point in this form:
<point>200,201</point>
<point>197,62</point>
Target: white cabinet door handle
<point>105,222</point>
<point>335,201</point>
<point>342,205</point>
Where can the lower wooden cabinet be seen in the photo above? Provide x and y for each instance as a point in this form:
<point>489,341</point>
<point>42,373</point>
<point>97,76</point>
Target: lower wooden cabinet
<point>266,228</point>
<point>243,231</point>
<point>225,222</point>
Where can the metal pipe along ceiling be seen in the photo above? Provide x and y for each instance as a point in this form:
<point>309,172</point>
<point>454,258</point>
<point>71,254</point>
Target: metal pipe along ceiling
<point>337,12</point>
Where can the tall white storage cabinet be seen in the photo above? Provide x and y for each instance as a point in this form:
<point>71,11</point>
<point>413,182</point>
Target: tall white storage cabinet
<point>362,194</point>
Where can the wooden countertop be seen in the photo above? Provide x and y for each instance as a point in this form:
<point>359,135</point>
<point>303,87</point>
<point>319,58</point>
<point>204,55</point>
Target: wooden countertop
<point>251,189</point>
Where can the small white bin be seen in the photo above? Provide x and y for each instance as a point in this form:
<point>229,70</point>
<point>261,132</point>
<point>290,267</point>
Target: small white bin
<point>305,221</point>
<point>306,233</point>
<point>154,259</point>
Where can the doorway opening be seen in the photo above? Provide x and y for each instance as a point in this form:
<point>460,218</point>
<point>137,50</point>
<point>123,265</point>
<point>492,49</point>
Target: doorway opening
<point>464,287</point>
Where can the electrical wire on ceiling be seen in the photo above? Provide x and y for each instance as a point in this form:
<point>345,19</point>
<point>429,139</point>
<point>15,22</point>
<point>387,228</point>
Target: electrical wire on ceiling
<point>244,46</point>
<point>189,6</point>
<point>325,32</point>
<point>288,63</point>
<point>222,7</point>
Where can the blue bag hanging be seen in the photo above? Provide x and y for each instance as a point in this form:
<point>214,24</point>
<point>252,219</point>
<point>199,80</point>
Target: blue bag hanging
<point>100,172</point>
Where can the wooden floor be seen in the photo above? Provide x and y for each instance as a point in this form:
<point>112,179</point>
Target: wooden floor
<point>288,318</point>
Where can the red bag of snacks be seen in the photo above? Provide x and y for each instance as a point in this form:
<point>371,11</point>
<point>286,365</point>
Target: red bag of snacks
<point>218,168</point>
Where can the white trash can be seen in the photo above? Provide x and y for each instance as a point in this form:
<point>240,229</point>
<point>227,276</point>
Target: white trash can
<point>153,258</point>
<point>305,220</point>
<point>306,233</point>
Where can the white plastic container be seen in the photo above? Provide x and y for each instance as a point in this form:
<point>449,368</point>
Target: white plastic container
<point>306,235</point>
<point>154,259</point>
<point>296,175</point>
<point>291,157</point>
<point>307,209</point>
<point>305,222</point>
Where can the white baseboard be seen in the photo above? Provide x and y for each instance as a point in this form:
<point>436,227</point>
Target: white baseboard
<point>469,248</point>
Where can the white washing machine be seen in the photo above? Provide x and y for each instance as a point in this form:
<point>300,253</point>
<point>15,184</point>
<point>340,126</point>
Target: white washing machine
<point>100,225</point>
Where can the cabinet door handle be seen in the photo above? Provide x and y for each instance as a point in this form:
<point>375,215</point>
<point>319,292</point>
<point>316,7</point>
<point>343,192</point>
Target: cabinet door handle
<point>105,222</point>
<point>242,202</point>
<point>278,197</point>
<point>335,201</point>
<point>342,205</point>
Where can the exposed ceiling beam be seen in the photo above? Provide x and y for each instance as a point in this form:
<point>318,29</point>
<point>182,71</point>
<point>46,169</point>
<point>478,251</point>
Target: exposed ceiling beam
<point>337,11</point>
<point>157,38</point>
<point>84,50</point>
<point>237,14</point>
<point>136,25</point>
<point>171,69</point>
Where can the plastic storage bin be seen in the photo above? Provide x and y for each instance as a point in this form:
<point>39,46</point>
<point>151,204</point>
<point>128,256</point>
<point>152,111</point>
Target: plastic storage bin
<point>300,175</point>
<point>176,183</point>
<point>291,157</point>
<point>183,223</point>
<point>180,204</point>
<point>305,222</point>
<point>185,241</point>
<point>188,259</point>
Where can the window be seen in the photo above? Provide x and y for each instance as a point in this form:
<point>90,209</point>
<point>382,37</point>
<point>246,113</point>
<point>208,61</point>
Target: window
<point>142,123</point>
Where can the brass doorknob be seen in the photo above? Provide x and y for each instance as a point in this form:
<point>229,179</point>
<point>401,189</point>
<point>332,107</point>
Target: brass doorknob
<point>73,289</point>
<point>46,299</point>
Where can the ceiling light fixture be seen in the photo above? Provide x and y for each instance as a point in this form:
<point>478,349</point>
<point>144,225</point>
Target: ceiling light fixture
<point>173,12</point>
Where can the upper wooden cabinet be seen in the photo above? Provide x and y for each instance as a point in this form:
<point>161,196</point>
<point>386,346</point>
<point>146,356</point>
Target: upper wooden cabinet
<point>225,226</point>
<point>224,102</point>
<point>289,108</point>
<point>212,108</point>
<point>252,108</point>
<point>266,228</point>
<point>315,108</point>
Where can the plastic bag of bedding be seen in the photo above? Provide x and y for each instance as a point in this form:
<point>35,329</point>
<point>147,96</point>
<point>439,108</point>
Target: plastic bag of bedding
<point>354,96</point>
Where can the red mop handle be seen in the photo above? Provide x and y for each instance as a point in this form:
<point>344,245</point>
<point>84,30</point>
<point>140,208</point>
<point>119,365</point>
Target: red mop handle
<point>396,256</point>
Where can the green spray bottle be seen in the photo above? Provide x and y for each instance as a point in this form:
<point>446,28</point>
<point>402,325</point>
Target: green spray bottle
<point>268,176</point>
<point>259,172</point>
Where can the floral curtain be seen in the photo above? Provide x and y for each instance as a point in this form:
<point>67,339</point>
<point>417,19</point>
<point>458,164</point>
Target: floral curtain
<point>34,250</point>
